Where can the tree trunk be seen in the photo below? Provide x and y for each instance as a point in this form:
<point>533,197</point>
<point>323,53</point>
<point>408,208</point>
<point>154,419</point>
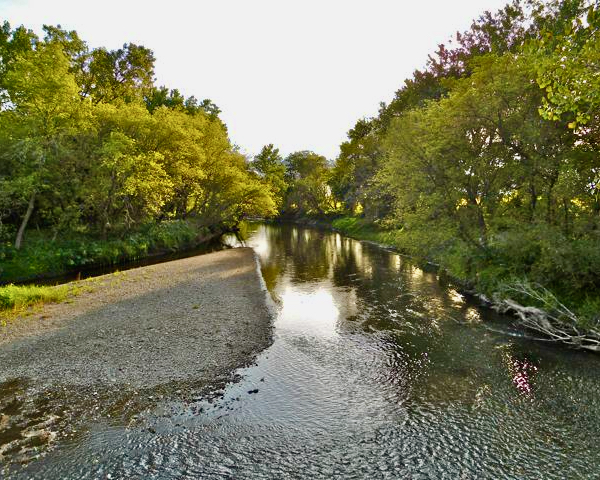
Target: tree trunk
<point>21,232</point>
<point>566,208</point>
<point>532,200</point>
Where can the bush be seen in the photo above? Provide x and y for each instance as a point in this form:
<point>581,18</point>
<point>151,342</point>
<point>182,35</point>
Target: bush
<point>543,255</point>
<point>540,254</point>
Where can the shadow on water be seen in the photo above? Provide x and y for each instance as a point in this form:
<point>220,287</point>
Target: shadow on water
<point>378,370</point>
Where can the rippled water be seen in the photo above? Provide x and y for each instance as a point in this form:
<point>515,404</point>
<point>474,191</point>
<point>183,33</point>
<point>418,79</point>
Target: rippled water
<point>378,370</point>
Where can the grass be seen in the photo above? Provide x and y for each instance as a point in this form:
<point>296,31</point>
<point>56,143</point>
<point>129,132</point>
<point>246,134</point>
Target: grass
<point>364,230</point>
<point>15,300</point>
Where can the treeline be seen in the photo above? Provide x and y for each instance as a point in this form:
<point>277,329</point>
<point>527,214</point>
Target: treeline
<point>89,145</point>
<point>487,161</point>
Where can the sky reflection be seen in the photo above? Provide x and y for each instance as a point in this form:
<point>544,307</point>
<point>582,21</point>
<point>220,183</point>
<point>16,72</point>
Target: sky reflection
<point>311,312</point>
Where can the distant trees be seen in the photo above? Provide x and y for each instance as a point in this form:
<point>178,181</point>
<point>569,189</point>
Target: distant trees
<point>352,176</point>
<point>299,182</point>
<point>269,165</point>
<point>307,174</point>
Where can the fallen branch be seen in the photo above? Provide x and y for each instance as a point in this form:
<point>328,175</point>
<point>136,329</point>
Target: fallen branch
<point>554,320</point>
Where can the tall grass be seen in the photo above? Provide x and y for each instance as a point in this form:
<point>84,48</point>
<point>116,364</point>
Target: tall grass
<point>17,298</point>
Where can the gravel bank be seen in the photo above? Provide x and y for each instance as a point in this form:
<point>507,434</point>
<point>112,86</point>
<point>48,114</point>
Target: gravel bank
<point>194,319</point>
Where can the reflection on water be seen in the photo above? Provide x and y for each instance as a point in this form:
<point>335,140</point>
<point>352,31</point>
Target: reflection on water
<point>378,370</point>
<point>311,313</point>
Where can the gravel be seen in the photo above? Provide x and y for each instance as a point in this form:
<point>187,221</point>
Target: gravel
<point>194,319</point>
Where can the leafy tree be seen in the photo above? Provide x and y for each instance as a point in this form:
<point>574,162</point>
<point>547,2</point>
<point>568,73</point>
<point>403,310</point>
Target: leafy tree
<point>568,67</point>
<point>479,156</point>
<point>307,175</point>
<point>46,109</point>
<point>88,144</point>
<point>173,99</point>
<point>126,74</point>
<point>269,165</point>
<point>356,165</point>
<point>13,44</point>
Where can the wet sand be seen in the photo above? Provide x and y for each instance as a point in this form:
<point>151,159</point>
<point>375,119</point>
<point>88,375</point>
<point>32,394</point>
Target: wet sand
<point>164,334</point>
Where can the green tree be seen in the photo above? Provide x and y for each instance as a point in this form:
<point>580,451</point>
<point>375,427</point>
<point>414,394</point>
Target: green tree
<point>355,167</point>
<point>568,67</point>
<point>269,165</point>
<point>46,109</point>
<point>13,44</point>
<point>125,74</point>
<point>480,157</point>
<point>307,175</point>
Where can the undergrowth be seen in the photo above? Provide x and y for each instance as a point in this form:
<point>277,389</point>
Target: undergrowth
<point>42,257</point>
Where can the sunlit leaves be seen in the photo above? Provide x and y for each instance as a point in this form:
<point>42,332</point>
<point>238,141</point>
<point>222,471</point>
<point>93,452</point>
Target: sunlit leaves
<point>570,72</point>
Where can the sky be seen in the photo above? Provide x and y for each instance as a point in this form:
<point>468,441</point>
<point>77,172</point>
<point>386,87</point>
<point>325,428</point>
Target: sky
<point>295,73</point>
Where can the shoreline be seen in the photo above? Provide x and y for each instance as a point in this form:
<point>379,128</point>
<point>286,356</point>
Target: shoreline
<point>184,244</point>
<point>128,344</point>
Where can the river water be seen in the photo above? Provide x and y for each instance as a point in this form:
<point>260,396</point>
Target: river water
<point>377,370</point>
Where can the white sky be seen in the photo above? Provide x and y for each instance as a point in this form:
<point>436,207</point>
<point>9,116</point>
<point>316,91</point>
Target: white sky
<point>297,74</point>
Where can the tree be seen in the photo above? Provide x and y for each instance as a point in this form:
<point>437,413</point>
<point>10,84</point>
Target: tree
<point>126,74</point>
<point>479,157</point>
<point>13,44</point>
<point>46,108</point>
<point>89,144</point>
<point>269,165</point>
<point>307,174</point>
<point>357,163</point>
<point>568,67</point>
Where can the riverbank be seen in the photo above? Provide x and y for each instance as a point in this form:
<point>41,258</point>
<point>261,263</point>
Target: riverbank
<point>195,317</point>
<point>42,259</point>
<point>545,316</point>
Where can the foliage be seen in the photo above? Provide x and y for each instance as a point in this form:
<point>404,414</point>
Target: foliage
<point>42,258</point>
<point>488,162</point>
<point>307,176</point>
<point>269,165</point>
<point>363,229</point>
<point>568,66</point>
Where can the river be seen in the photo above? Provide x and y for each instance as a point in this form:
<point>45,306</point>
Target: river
<point>377,370</point>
